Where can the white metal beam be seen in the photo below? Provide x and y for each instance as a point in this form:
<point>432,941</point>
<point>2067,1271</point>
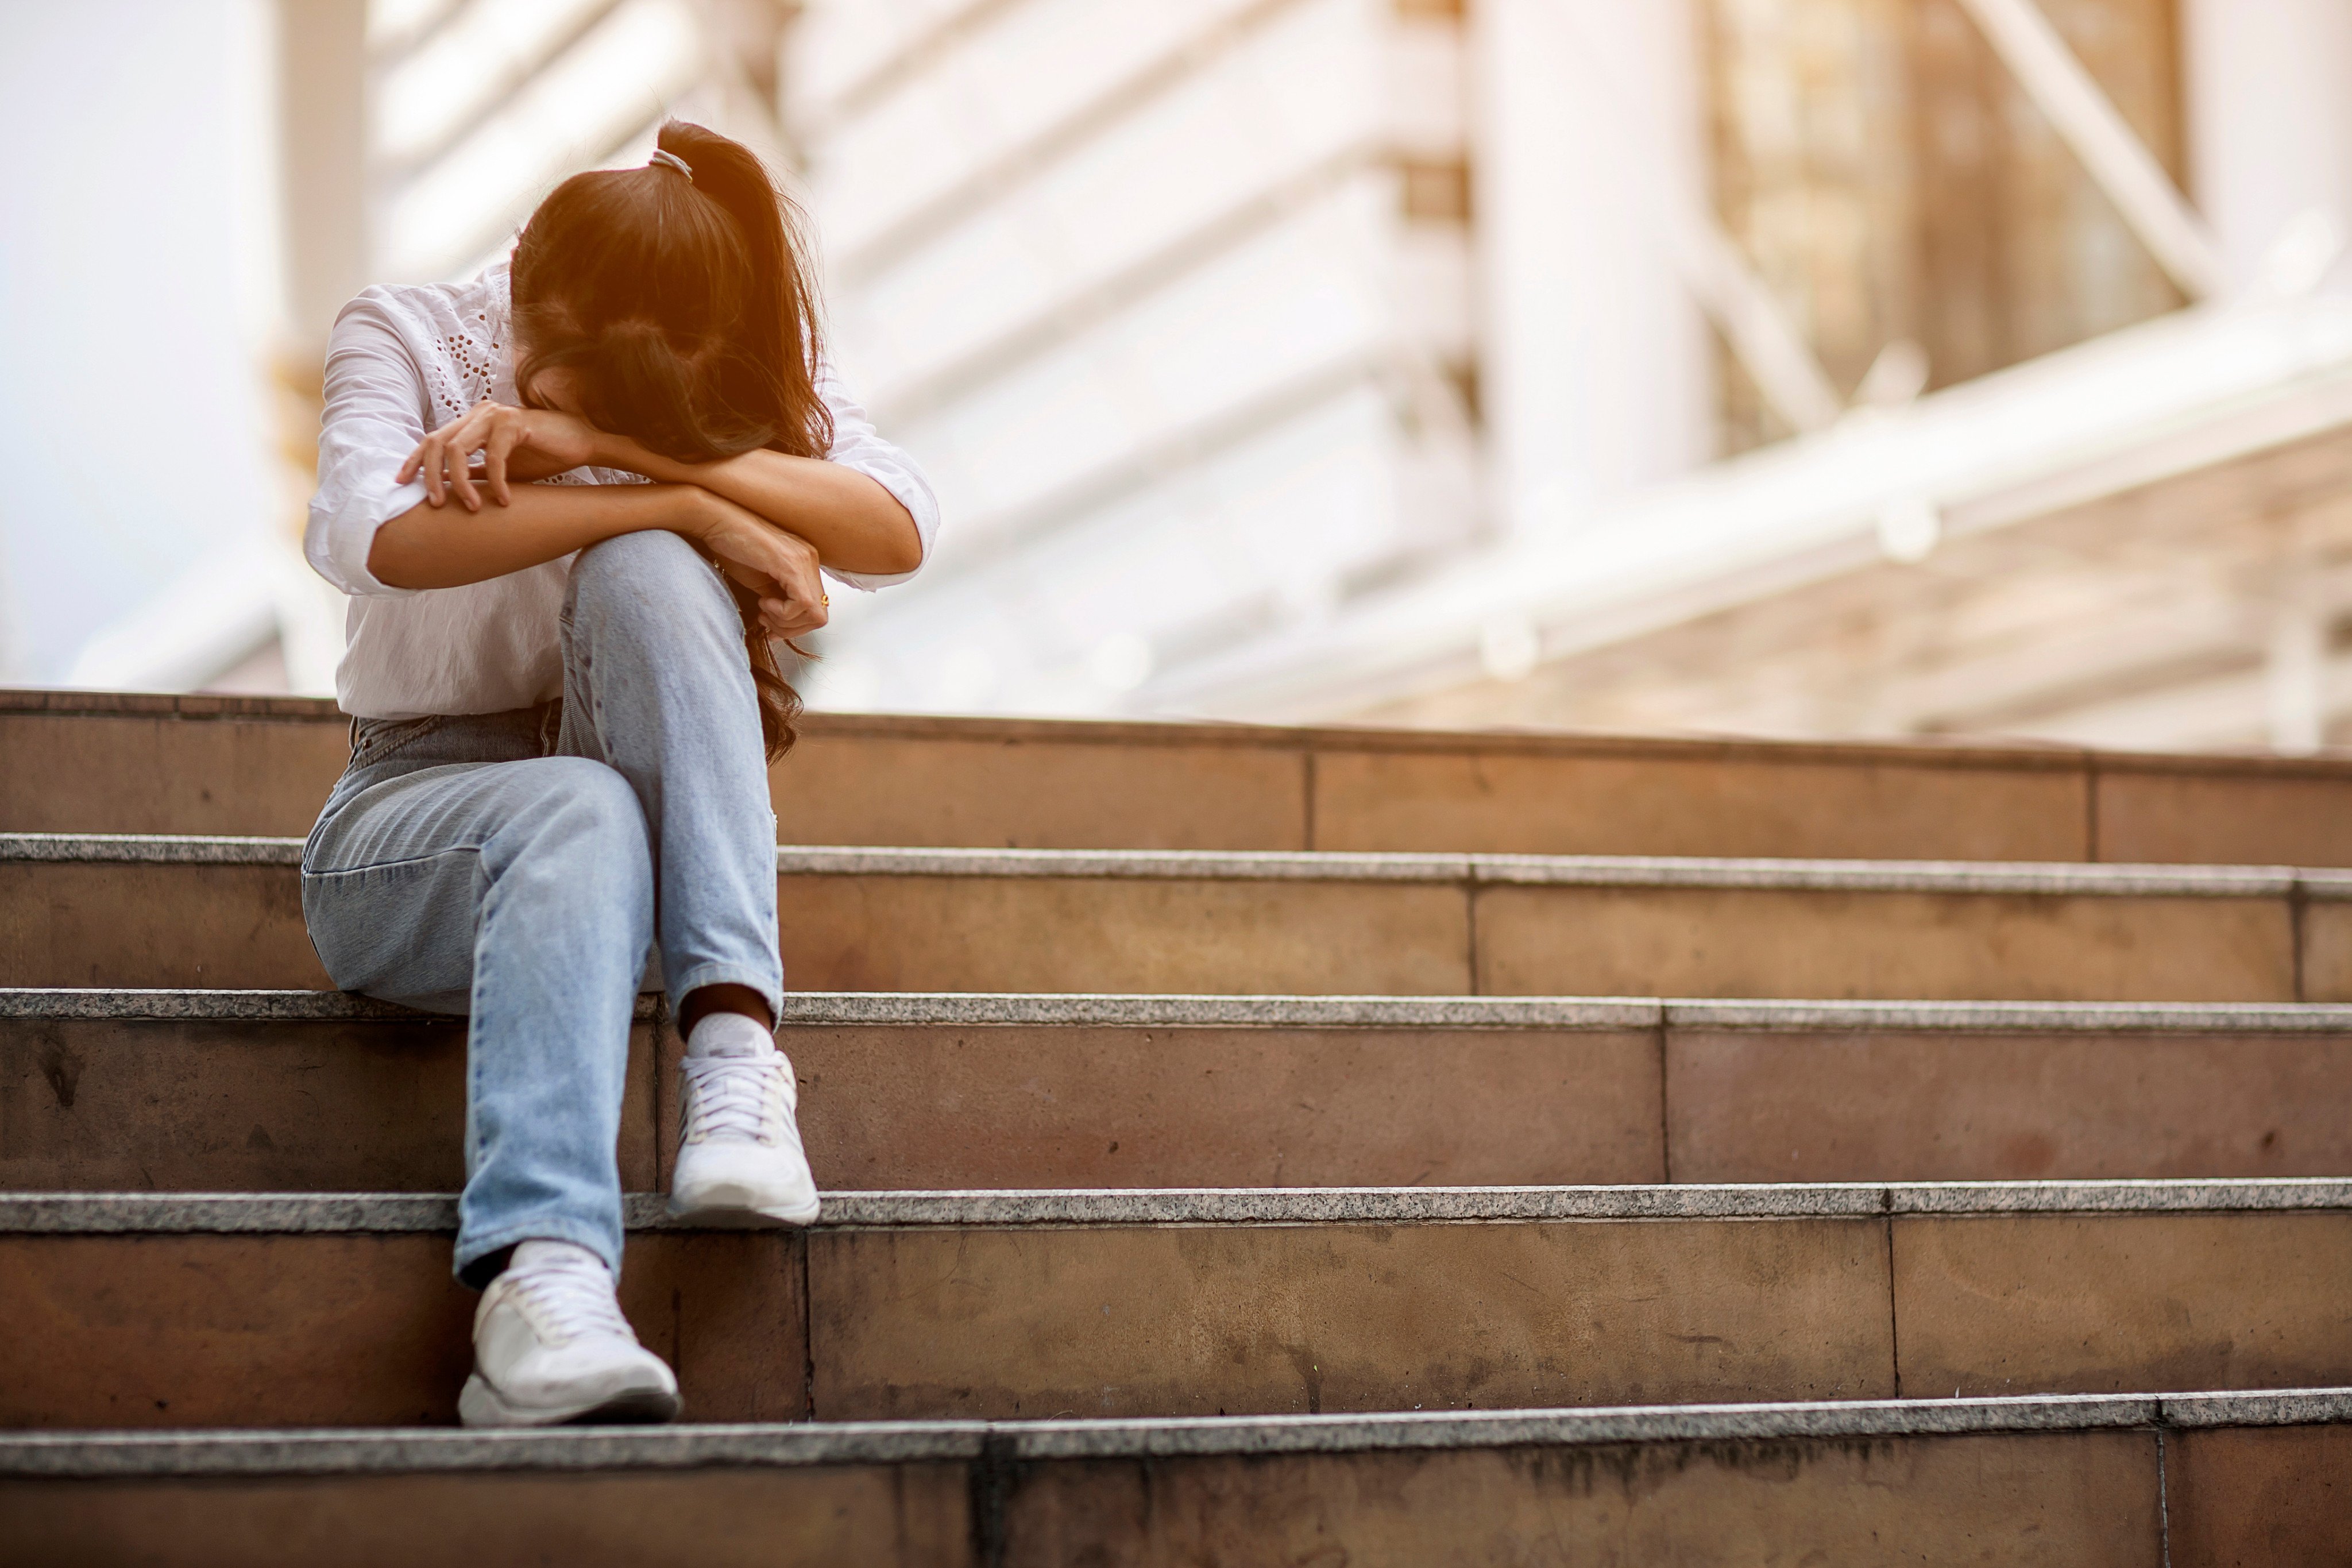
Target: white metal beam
<point>2130,406</point>
<point>1086,306</point>
<point>992,180</point>
<point>994,536</point>
<point>933,42</point>
<point>323,159</point>
<point>2089,123</point>
<point>491,101</point>
<point>1740,303</point>
<point>1762,337</point>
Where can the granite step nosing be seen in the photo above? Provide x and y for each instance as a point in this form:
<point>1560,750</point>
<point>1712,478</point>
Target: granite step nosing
<point>223,1004</point>
<point>1780,1017</point>
<point>1953,877</point>
<point>150,1213</point>
<point>352,1451</point>
<point>980,1009</point>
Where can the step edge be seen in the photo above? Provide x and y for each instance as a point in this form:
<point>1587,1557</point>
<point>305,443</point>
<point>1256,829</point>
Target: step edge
<point>1769,1016</point>
<point>1955,753</point>
<point>358,1451</point>
<point>1695,872</point>
<point>158,1213</point>
<point>255,1005</point>
<point>1208,1010</point>
<point>1952,753</point>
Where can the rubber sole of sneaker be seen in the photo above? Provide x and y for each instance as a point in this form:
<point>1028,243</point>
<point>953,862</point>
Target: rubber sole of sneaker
<point>725,1208</point>
<point>481,1405</point>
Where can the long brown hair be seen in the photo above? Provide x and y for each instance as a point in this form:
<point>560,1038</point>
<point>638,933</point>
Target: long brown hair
<point>686,310</point>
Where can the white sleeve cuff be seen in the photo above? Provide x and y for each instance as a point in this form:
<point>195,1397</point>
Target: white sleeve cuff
<point>338,544</point>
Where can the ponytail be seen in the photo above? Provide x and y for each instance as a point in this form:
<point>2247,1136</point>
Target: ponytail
<point>779,320</point>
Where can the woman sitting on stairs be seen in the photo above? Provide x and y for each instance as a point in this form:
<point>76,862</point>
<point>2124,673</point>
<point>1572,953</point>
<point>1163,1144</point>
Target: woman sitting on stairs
<point>564,698</point>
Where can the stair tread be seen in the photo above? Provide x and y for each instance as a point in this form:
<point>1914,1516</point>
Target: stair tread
<point>2055,877</point>
<point>136,1213</point>
<point>1081,1009</point>
<point>330,1450</point>
<point>173,910</point>
<point>1961,752</point>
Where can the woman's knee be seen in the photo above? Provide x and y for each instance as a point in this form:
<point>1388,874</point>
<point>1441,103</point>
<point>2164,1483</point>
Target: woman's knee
<point>654,578</point>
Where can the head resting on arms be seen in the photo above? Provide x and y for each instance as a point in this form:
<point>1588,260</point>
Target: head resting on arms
<point>671,303</point>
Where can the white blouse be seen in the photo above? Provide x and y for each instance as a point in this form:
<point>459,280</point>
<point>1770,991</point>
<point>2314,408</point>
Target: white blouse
<point>407,359</point>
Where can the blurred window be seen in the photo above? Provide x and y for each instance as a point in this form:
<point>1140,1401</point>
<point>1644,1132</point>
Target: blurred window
<point>1892,181</point>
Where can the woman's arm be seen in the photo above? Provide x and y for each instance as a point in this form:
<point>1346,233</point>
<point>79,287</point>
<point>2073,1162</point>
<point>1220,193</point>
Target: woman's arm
<point>433,546</point>
<point>854,523</point>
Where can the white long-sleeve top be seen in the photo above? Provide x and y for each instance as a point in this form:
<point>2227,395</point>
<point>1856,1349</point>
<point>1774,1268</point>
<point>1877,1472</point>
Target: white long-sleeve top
<point>404,361</point>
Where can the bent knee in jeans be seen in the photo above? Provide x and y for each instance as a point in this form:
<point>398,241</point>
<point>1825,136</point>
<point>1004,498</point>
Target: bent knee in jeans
<point>653,570</point>
<point>395,888</point>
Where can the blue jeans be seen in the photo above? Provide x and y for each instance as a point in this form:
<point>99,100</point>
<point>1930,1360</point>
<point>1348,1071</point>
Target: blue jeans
<point>518,868</point>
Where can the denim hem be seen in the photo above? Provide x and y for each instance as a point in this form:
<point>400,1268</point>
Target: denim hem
<point>766,981</point>
<point>472,1249</point>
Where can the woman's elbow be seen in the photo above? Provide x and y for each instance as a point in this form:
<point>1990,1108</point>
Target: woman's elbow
<point>387,563</point>
<point>905,551</point>
<point>889,542</point>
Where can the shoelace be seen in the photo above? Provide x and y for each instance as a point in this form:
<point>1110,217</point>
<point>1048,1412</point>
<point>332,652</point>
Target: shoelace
<point>571,1298</point>
<point>734,1097</point>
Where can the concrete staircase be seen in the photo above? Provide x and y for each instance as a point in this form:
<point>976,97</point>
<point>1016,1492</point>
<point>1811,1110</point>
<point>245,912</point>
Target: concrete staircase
<point>1245,1146</point>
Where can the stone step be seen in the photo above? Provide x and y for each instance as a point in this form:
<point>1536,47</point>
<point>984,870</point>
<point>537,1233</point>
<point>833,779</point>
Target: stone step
<point>2146,1481</point>
<point>95,762</point>
<point>145,1309</point>
<point>127,909</point>
<point>297,1092</point>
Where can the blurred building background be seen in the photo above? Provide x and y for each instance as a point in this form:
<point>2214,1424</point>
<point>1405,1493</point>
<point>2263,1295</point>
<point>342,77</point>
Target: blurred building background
<point>1786,367</point>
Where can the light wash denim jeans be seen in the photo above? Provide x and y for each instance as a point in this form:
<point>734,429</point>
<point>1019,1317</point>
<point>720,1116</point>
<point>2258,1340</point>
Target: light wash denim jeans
<point>519,867</point>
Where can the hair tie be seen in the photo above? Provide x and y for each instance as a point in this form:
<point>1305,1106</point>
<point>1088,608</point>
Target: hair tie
<point>668,159</point>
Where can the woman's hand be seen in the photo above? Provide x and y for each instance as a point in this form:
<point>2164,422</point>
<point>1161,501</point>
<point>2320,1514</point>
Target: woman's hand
<point>780,567</point>
<point>515,444</point>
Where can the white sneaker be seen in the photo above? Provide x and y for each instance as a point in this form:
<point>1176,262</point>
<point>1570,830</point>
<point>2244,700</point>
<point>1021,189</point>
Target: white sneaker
<point>551,1346</point>
<point>739,1148</point>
